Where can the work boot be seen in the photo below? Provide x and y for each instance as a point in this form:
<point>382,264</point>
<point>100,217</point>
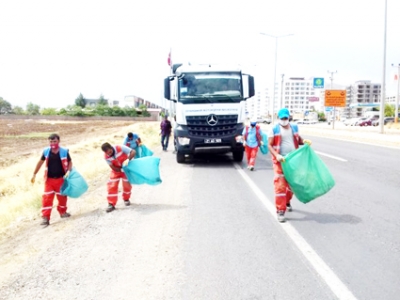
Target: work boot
<point>110,208</point>
<point>289,207</point>
<point>65,215</point>
<point>281,216</point>
<point>45,221</point>
<point>127,202</point>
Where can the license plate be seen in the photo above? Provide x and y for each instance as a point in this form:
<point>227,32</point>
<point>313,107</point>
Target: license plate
<point>212,141</point>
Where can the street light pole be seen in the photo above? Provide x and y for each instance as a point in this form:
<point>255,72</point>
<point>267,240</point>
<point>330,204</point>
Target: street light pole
<point>334,108</point>
<point>382,108</point>
<point>276,37</point>
<point>281,106</point>
<point>396,111</point>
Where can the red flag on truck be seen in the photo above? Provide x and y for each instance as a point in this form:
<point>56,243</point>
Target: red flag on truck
<point>169,58</point>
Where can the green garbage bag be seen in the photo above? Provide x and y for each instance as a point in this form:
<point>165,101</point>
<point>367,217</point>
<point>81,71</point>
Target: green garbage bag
<point>264,147</point>
<point>143,151</point>
<point>74,185</point>
<point>306,174</point>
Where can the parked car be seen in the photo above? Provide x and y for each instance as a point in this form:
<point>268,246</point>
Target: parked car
<point>385,121</point>
<point>367,122</point>
<point>356,121</point>
<point>348,122</point>
<point>264,120</point>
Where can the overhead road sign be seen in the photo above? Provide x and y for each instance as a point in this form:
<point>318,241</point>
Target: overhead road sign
<point>318,83</point>
<point>335,98</point>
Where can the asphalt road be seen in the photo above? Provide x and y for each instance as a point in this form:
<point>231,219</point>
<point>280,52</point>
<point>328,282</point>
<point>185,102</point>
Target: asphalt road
<point>237,250</point>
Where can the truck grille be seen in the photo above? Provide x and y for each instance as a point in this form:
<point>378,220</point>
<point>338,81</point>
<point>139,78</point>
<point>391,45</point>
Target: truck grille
<point>198,126</point>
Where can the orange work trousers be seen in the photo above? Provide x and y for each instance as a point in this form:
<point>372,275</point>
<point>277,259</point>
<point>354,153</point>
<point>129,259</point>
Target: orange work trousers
<point>112,187</point>
<point>283,193</point>
<point>52,187</point>
<point>251,154</point>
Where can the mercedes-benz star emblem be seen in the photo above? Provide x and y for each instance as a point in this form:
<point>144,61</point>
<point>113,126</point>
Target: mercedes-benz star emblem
<point>212,120</point>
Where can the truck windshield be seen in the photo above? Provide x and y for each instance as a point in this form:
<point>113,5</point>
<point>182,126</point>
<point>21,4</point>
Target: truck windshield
<point>210,87</point>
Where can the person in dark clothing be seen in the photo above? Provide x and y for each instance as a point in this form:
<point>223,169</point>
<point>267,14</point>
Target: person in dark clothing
<point>165,132</point>
<point>58,164</point>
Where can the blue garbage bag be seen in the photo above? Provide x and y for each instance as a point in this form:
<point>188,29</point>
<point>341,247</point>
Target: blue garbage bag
<point>306,174</point>
<point>264,146</point>
<point>143,151</point>
<point>74,185</point>
<point>144,170</point>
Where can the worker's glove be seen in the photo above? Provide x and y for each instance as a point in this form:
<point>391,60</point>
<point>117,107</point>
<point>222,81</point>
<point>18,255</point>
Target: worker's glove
<point>33,179</point>
<point>280,158</point>
<point>244,144</point>
<point>308,142</point>
<point>66,175</point>
<point>125,163</point>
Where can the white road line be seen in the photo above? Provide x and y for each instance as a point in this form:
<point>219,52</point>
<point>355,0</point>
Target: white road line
<point>334,283</point>
<point>331,156</point>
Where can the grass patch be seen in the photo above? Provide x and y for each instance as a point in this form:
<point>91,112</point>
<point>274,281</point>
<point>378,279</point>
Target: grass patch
<point>29,135</point>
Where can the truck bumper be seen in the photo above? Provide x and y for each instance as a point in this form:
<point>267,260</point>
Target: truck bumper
<point>193,144</point>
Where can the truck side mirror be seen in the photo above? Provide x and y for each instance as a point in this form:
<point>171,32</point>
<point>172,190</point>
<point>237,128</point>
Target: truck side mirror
<point>167,89</point>
<point>251,86</point>
<point>248,86</point>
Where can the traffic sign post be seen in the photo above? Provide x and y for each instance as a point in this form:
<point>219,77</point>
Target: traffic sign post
<point>318,83</point>
<point>335,98</point>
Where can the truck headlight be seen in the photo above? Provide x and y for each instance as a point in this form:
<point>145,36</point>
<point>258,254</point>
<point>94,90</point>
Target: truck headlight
<point>239,139</point>
<point>183,141</point>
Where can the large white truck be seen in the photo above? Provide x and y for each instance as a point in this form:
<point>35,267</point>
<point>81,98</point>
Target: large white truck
<point>208,105</point>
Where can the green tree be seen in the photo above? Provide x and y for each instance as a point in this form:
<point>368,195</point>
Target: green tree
<point>49,111</point>
<point>130,111</point>
<point>18,110</point>
<point>5,107</point>
<point>389,110</point>
<point>80,101</point>
<point>102,101</point>
<point>32,109</point>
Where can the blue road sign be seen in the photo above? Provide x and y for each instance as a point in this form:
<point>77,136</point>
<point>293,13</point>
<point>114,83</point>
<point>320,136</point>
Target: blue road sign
<point>318,83</point>
<point>328,108</point>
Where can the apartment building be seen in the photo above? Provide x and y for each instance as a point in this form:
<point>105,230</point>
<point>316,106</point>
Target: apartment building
<point>299,95</point>
<point>258,106</point>
<point>360,97</point>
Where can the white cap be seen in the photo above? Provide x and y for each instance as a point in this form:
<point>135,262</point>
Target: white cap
<point>253,120</point>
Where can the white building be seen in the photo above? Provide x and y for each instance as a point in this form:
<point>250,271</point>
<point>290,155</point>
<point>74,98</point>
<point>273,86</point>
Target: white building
<point>298,95</point>
<point>258,106</point>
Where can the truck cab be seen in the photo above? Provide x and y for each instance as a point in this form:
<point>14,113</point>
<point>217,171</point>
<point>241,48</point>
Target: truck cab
<point>208,104</point>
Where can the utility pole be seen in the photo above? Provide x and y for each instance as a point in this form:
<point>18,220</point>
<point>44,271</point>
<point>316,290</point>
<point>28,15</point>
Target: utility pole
<point>396,111</point>
<point>276,37</point>
<point>334,108</point>
<point>383,88</point>
<point>283,75</point>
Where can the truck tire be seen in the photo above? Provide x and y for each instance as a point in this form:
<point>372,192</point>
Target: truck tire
<point>238,155</point>
<point>180,157</point>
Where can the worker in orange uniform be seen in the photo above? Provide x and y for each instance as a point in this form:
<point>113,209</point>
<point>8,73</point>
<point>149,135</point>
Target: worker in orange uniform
<point>283,138</point>
<point>58,164</point>
<point>252,141</point>
<point>117,157</point>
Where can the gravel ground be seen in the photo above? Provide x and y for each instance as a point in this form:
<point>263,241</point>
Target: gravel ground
<point>131,253</point>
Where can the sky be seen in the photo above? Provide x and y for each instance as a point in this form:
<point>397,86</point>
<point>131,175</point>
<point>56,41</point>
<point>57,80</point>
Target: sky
<point>51,51</point>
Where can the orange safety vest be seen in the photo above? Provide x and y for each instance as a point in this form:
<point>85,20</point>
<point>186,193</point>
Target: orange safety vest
<point>258,135</point>
<point>63,152</point>
<point>118,158</point>
<point>276,144</point>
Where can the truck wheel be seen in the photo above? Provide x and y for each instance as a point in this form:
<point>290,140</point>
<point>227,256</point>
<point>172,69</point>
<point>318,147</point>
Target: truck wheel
<point>238,155</point>
<point>180,157</point>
